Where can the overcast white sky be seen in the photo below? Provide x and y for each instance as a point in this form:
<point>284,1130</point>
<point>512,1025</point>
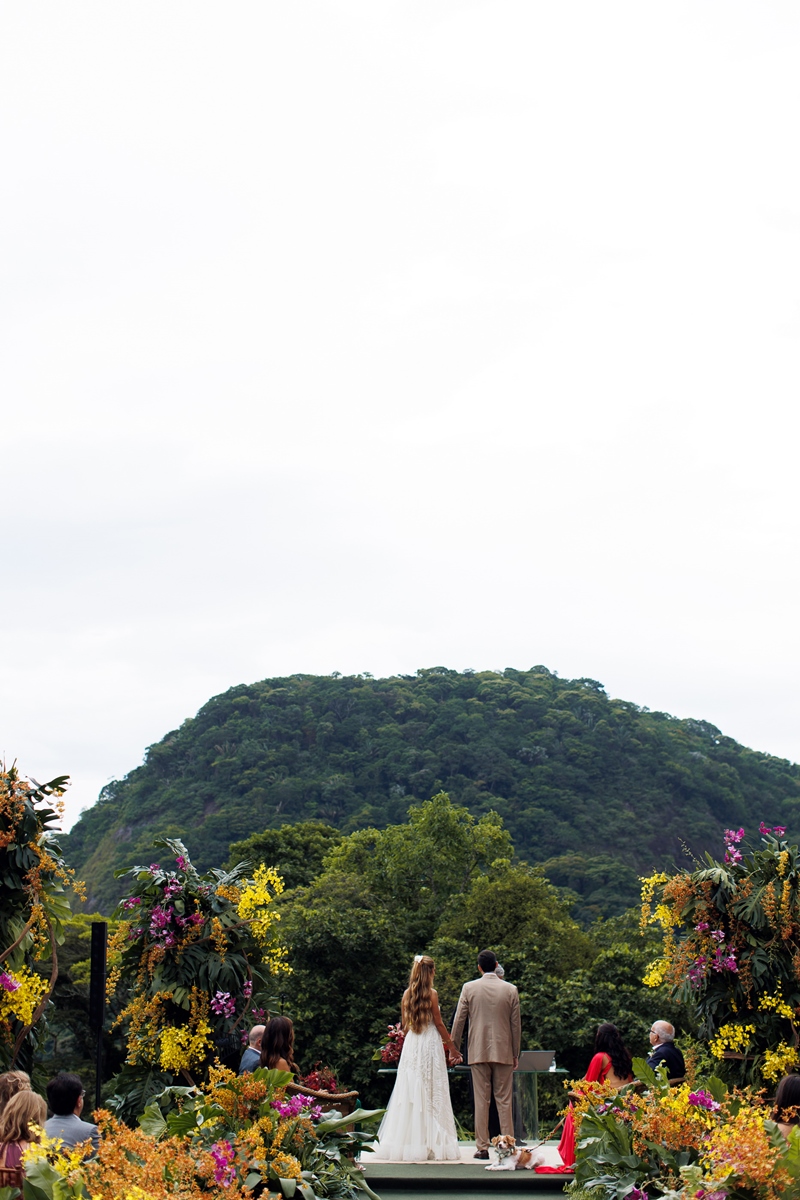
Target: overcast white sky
<point>373,336</point>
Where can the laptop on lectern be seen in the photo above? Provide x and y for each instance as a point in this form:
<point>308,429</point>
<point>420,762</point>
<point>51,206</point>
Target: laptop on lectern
<point>536,1060</point>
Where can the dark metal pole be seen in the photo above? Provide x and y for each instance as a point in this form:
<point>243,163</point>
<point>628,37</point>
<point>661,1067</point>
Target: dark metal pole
<point>97,997</point>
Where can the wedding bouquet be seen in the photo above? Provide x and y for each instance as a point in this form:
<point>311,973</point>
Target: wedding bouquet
<point>389,1054</point>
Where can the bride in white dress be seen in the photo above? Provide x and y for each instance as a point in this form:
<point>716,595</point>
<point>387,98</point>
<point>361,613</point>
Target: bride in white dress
<point>418,1125</point>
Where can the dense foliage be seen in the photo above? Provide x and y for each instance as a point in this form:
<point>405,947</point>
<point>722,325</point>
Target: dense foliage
<point>731,950</point>
<point>697,1141</point>
<point>595,788</point>
<point>445,883</point>
<point>236,1137</point>
<point>34,884</point>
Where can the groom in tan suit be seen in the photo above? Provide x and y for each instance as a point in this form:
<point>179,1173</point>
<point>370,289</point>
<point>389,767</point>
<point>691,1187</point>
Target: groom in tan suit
<point>492,1008</point>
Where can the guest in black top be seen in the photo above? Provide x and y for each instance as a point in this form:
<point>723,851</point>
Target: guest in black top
<point>662,1039</point>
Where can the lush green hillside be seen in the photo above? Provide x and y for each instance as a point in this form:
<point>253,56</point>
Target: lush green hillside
<point>598,789</point>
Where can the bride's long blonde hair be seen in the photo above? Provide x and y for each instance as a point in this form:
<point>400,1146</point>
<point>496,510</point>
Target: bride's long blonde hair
<point>417,1005</point>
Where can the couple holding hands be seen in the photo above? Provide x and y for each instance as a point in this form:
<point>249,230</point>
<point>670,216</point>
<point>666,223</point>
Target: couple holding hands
<point>419,1124</point>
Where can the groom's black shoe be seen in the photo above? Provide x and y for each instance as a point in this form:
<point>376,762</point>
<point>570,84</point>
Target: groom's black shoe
<point>481,1154</point>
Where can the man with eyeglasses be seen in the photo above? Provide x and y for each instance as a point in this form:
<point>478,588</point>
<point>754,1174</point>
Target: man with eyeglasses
<point>65,1096</point>
<point>662,1039</point>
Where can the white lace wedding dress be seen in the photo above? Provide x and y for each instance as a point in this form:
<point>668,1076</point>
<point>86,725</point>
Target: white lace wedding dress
<point>418,1124</point>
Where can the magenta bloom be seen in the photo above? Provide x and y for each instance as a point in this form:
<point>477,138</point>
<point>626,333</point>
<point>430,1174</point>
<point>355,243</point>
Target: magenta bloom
<point>7,983</point>
<point>154,867</point>
<point>701,927</point>
<point>182,862</point>
<point>701,1099</point>
<point>223,1004</point>
<point>779,830</point>
<point>247,989</point>
<point>297,1106</point>
<point>223,1156</point>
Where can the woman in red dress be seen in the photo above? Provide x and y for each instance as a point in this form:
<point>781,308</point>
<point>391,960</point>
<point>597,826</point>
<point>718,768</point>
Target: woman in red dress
<point>611,1063</point>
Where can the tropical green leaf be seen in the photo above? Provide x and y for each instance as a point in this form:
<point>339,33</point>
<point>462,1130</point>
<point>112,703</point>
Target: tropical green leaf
<point>152,1121</point>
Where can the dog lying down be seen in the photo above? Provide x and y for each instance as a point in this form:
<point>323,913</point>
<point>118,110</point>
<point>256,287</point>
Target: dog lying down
<point>509,1158</point>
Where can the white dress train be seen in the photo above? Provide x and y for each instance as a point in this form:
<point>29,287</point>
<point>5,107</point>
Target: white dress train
<point>418,1125</point>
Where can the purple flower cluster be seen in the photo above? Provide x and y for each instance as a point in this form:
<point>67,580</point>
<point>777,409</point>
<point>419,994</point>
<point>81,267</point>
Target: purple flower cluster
<point>778,830</point>
<point>298,1106</point>
<point>732,838</point>
<point>182,862</point>
<point>223,1004</point>
<point>724,958</point>
<point>702,1194</point>
<point>637,1194</point>
<point>7,983</point>
<point>223,1156</point>
<point>702,1099</point>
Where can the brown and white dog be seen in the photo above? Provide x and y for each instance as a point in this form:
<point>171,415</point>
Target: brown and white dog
<point>509,1158</point>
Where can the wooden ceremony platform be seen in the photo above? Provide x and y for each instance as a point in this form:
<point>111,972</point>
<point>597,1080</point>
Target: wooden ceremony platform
<point>469,1180</point>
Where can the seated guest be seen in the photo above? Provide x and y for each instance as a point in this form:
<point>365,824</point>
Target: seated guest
<point>252,1055</point>
<point>23,1111</point>
<point>662,1039</point>
<point>12,1082</point>
<point>786,1113</point>
<point>65,1096</point>
<point>277,1045</point>
<point>612,1064</point>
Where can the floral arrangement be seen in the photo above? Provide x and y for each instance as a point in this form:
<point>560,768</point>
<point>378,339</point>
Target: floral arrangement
<point>697,1141</point>
<point>237,1135</point>
<point>319,1079</point>
<point>34,885</point>
<point>731,950</point>
<point>193,950</point>
<point>389,1054</point>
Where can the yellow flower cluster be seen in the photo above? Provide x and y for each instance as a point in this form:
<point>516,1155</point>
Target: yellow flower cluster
<point>656,973</point>
<point>665,917</point>
<point>181,1048</point>
<point>677,1102</point>
<point>255,906</point>
<point>23,1001</point>
<point>741,1147</point>
<point>649,884</point>
<point>779,1062</point>
<point>783,862</point>
<point>776,1004</point>
<point>65,1159</point>
<point>731,1037</point>
<point>286,1166</point>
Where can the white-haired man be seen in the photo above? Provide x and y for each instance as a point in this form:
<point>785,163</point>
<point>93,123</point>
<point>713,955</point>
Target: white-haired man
<point>252,1055</point>
<point>662,1039</point>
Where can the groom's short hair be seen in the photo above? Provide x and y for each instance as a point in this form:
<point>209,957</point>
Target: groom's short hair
<point>487,960</point>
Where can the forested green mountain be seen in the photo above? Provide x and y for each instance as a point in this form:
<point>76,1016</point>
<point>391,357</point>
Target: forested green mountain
<point>595,788</point>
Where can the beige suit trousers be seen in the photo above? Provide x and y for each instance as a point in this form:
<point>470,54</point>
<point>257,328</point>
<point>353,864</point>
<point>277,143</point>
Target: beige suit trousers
<point>488,1078</point>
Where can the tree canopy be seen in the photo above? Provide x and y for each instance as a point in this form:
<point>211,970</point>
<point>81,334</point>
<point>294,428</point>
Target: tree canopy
<point>597,787</point>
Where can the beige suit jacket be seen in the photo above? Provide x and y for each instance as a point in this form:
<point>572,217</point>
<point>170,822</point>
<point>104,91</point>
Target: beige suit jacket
<point>495,1029</point>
